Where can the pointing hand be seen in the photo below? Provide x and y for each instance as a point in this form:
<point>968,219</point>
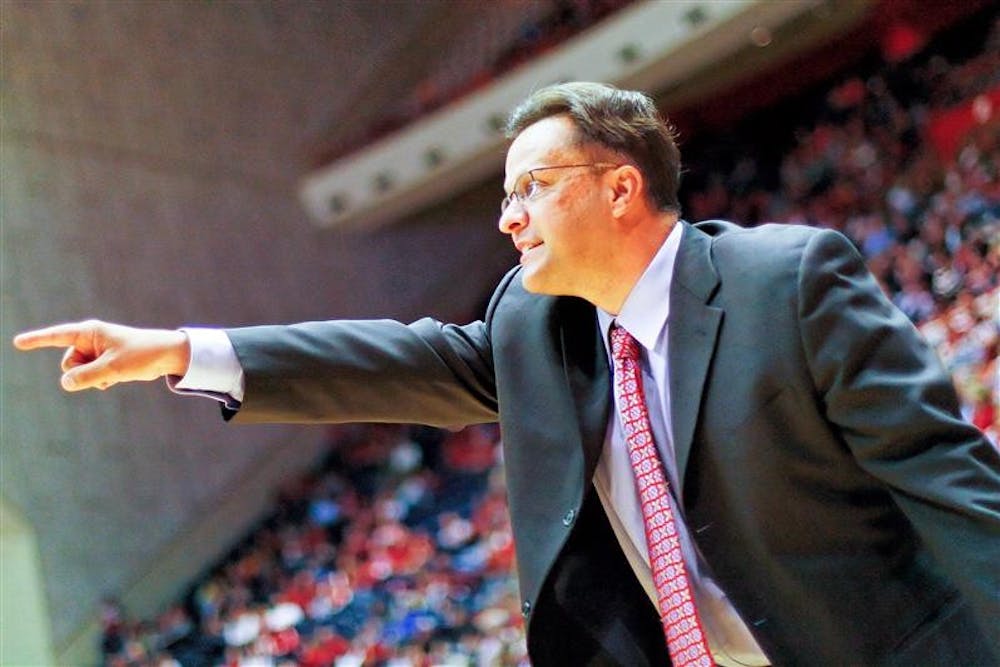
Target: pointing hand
<point>100,354</point>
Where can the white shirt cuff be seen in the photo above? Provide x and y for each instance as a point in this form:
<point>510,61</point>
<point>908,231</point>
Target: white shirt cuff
<point>214,370</point>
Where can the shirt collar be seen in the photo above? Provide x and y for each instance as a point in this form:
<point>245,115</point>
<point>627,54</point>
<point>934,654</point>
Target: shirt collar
<point>647,307</point>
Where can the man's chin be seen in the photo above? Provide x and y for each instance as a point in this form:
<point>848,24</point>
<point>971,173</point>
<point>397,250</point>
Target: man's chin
<point>536,284</point>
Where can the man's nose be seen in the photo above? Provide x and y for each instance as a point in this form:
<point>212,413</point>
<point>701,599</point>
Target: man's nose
<point>513,218</point>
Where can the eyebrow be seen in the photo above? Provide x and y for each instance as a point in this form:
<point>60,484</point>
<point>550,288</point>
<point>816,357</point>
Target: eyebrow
<point>527,172</point>
<point>517,180</point>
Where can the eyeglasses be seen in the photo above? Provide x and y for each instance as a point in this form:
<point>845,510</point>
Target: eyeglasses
<point>530,188</point>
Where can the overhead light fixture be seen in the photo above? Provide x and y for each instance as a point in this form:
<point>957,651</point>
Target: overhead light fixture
<point>383,181</point>
<point>433,156</point>
<point>629,53</point>
<point>761,36</point>
<point>336,204</point>
<point>696,16</point>
<point>496,122</point>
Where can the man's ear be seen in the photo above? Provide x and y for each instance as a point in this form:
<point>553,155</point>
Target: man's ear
<point>627,188</point>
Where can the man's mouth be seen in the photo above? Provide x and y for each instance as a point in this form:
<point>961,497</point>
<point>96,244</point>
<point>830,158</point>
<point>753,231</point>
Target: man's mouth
<point>527,247</point>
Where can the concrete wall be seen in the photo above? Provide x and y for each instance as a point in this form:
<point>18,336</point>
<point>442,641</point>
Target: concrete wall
<point>150,154</point>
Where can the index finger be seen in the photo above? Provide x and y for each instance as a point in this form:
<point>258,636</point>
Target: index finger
<point>60,335</point>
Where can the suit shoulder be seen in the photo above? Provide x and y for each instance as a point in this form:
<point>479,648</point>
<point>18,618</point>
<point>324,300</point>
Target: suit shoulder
<point>772,232</point>
<point>765,243</point>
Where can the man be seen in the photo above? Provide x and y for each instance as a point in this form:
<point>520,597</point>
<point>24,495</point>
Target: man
<point>821,498</point>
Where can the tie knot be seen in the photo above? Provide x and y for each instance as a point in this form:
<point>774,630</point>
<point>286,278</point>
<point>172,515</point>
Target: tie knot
<point>623,345</point>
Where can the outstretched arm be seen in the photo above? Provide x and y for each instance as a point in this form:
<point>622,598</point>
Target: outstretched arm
<point>100,354</point>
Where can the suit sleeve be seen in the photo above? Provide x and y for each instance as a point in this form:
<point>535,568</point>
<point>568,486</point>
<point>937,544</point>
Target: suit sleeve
<point>373,371</point>
<point>887,394</point>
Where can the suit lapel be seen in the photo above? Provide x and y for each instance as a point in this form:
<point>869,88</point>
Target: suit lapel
<point>694,328</point>
<point>587,374</point>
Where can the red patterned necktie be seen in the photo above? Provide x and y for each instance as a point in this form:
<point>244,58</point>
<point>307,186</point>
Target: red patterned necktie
<point>686,641</point>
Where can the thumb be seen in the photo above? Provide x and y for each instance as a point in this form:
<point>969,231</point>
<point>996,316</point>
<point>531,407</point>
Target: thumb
<point>98,374</point>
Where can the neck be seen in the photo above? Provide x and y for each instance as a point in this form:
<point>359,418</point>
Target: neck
<point>638,246</point>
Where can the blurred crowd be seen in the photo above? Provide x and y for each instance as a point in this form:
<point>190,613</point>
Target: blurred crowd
<point>905,161</point>
<point>398,552</point>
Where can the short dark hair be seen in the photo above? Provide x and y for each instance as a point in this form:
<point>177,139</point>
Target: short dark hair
<point>624,121</point>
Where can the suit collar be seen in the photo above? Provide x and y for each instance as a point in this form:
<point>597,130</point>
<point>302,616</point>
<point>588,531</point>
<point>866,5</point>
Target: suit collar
<point>694,329</point>
<point>694,270</point>
<point>587,374</point>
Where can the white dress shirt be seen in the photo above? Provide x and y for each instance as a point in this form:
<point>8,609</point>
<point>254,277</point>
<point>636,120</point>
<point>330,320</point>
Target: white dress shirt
<point>646,315</point>
<point>215,372</point>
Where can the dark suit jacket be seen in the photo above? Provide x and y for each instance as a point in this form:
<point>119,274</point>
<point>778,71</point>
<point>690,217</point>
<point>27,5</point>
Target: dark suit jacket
<point>841,502</point>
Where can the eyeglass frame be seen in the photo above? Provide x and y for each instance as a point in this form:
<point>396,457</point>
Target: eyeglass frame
<point>513,195</point>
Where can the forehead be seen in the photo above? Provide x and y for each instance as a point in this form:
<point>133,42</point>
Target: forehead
<point>545,142</point>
